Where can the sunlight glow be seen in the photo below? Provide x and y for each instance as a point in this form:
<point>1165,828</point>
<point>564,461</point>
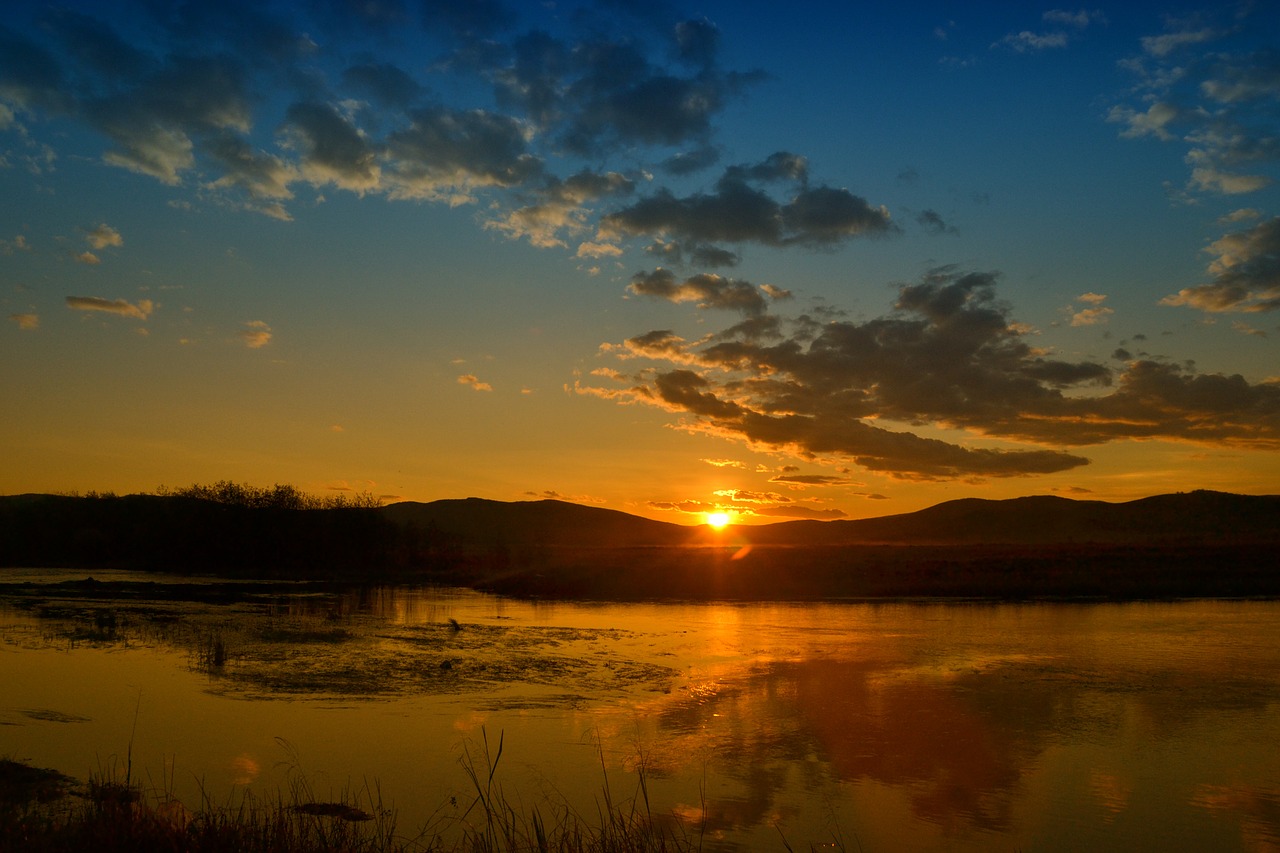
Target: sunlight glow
<point>717,519</point>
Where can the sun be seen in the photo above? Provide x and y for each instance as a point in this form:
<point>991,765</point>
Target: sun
<point>717,519</point>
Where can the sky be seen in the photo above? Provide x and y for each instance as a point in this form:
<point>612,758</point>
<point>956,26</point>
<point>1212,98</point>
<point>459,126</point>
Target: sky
<point>666,259</point>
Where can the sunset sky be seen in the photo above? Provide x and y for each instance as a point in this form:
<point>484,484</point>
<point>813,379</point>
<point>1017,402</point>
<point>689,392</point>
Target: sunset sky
<point>658,258</point>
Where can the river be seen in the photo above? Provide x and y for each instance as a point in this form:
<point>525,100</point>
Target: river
<point>859,726</point>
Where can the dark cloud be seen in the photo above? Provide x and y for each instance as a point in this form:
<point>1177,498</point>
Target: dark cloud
<point>245,28</point>
<point>688,162</point>
<point>30,76</point>
<point>697,42</point>
<point>1246,273</point>
<point>810,480</point>
<point>707,290</point>
<point>202,88</point>
<point>738,212</point>
<point>96,44</point>
<point>932,222</point>
<point>385,83</point>
<point>332,149</point>
<point>452,151</point>
<point>948,357</point>
<point>467,19</point>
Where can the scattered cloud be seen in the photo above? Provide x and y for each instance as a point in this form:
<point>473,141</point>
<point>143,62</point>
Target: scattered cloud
<point>87,258</point>
<point>1246,329</point>
<point>103,236</point>
<point>26,322</point>
<point>255,100</point>
<point>1094,315</point>
<point>1064,26</point>
<point>256,334</point>
<point>471,380</point>
<point>17,244</point>
<point>140,311</point>
<point>1219,104</point>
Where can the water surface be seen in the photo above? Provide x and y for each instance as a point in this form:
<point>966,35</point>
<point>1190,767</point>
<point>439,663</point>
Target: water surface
<point>920,726</point>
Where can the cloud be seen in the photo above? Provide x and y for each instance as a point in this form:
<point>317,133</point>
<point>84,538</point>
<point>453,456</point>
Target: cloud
<point>707,290</point>
<point>810,480</point>
<point>472,380</point>
<point>140,311</point>
<point>17,244</point>
<point>560,207</point>
<point>89,259</point>
<point>724,463</point>
<point>737,211</point>
<point>797,511</point>
<point>103,236</point>
<point>1027,41</point>
<point>932,222</point>
<point>1163,45</point>
<point>1091,316</point>
<point>256,334</point>
<point>1246,273</point>
<point>332,149</point>
<point>251,100</point>
<point>949,357</point>
<point>26,322</point>
<point>444,154</point>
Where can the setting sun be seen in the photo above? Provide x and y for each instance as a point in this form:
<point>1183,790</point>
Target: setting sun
<point>717,519</point>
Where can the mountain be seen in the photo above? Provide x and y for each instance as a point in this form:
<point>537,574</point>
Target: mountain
<point>1190,517</point>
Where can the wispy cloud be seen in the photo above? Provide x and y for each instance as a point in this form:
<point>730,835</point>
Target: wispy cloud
<point>473,381</point>
<point>256,334</point>
<point>1065,26</point>
<point>139,311</point>
<point>26,322</point>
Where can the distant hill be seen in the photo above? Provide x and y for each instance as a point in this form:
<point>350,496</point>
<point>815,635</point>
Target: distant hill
<point>1191,517</point>
<point>550,523</point>
<point>1185,517</point>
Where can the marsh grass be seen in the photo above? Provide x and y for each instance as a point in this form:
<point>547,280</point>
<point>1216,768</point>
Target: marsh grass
<point>42,811</point>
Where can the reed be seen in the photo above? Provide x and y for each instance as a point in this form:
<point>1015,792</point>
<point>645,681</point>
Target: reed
<point>112,813</point>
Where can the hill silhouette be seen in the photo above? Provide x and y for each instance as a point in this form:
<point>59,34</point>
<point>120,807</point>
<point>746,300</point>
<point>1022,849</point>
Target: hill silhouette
<point>1191,517</point>
<point>542,523</point>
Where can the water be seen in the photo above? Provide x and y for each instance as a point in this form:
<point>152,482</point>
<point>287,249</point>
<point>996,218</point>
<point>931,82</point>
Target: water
<point>919,726</point>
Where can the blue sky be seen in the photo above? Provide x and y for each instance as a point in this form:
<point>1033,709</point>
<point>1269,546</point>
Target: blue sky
<point>655,257</point>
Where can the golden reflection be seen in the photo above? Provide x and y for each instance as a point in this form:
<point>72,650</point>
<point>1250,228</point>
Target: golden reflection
<point>1110,792</point>
<point>245,769</point>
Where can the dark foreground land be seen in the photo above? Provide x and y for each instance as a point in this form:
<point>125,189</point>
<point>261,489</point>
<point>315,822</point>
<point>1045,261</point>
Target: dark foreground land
<point>1186,545</point>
